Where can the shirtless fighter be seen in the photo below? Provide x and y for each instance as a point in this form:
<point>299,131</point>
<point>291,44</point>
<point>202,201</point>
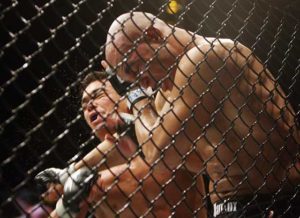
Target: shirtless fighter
<point>159,194</point>
<point>219,109</point>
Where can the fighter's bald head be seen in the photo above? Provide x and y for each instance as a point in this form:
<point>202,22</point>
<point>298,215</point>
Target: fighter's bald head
<point>127,29</point>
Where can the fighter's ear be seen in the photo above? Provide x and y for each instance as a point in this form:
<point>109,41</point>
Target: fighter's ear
<point>153,34</point>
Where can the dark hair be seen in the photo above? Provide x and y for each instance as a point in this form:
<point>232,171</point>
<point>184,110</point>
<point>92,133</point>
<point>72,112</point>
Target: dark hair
<point>91,77</point>
<point>120,87</point>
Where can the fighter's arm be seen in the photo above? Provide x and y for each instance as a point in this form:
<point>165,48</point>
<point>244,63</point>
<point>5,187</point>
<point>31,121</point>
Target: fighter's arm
<point>168,128</point>
<point>146,116</point>
<point>117,185</point>
<point>123,179</point>
<point>106,150</point>
<point>201,80</point>
<point>265,87</point>
<point>93,158</point>
<point>53,178</point>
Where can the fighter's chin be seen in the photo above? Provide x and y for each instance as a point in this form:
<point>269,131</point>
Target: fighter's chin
<point>102,129</point>
<point>99,129</point>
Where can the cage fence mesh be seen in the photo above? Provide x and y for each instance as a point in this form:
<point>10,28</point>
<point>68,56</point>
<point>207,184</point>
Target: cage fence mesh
<point>48,48</point>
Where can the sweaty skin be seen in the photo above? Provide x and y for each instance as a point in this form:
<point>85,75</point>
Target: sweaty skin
<point>135,191</point>
<point>220,109</point>
<point>102,105</point>
<point>139,190</point>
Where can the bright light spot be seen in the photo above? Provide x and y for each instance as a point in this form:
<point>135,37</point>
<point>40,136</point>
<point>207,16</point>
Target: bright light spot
<point>173,7</point>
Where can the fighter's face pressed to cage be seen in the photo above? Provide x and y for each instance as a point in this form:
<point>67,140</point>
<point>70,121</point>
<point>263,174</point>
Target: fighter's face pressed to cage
<point>99,105</point>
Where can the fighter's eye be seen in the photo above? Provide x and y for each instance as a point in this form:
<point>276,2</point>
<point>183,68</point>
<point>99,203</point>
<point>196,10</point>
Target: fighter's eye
<point>97,94</point>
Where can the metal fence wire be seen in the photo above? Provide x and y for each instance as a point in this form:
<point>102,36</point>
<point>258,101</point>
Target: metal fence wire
<point>161,108</point>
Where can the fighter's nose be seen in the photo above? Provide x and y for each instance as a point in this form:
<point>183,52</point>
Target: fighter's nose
<point>90,106</point>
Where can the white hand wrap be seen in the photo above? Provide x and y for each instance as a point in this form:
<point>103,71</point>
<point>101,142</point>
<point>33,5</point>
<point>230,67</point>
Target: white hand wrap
<point>54,175</point>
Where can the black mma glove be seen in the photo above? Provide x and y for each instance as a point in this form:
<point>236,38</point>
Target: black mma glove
<point>76,188</point>
<point>54,175</point>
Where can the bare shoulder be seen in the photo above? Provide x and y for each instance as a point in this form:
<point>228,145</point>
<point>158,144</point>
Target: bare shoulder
<point>213,54</point>
<point>212,65</point>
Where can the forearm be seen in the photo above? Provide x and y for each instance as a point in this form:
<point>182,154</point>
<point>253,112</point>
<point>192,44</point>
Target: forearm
<point>146,118</point>
<point>105,151</point>
<point>117,181</point>
<point>156,124</point>
<point>140,103</point>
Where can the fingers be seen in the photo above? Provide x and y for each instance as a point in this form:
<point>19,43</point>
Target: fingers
<point>53,193</point>
<point>104,64</point>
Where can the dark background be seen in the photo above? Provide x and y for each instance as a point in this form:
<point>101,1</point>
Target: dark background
<point>48,46</point>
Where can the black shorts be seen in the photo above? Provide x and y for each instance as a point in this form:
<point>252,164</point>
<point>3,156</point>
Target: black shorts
<point>287,206</point>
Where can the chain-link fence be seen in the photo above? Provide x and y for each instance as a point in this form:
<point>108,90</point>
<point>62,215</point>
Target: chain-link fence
<point>193,110</point>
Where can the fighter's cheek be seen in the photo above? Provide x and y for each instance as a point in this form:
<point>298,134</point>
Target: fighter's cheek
<point>86,118</point>
<point>105,101</point>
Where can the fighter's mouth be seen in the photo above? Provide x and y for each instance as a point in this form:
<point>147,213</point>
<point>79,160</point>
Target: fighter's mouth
<point>93,117</point>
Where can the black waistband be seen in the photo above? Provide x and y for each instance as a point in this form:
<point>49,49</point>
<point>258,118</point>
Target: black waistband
<point>257,205</point>
<point>246,199</point>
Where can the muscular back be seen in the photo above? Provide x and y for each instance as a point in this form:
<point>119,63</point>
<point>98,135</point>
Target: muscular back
<point>250,137</point>
<point>231,118</point>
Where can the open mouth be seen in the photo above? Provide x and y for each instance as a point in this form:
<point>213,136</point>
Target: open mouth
<point>93,117</point>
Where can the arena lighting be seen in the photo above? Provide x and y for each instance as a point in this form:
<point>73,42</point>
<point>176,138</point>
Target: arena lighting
<point>173,7</point>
